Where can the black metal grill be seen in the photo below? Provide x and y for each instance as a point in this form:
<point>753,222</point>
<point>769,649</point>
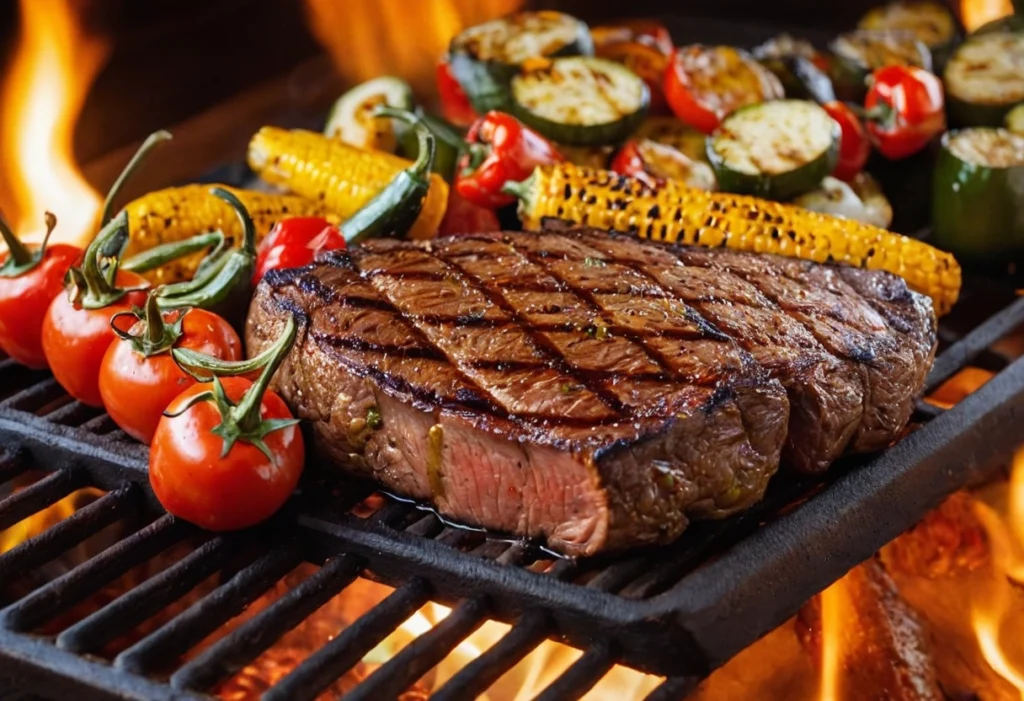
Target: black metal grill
<point>680,611</point>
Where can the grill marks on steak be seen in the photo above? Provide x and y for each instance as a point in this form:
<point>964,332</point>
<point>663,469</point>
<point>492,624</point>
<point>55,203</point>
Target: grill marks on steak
<point>525,387</point>
<point>852,347</point>
<point>589,388</point>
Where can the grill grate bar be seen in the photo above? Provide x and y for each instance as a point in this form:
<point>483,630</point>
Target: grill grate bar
<point>89,577</point>
<point>156,593</point>
<point>319,670</point>
<point>210,612</point>
<point>72,411</point>
<point>11,465</point>
<point>966,349</point>
<point>85,522</point>
<point>422,654</point>
<point>232,652</point>
<point>34,396</point>
<point>674,689</point>
<point>38,496</point>
<point>478,676</point>
<point>581,676</point>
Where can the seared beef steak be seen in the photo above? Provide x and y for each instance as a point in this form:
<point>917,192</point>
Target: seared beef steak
<point>589,388</point>
<point>518,384</point>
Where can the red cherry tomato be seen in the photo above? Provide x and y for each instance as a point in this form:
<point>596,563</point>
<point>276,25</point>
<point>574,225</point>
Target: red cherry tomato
<point>854,147</point>
<point>136,388</point>
<point>24,299</point>
<point>195,482</point>
<point>455,105</point>
<point>905,108</point>
<point>75,339</point>
<point>703,84</point>
<point>294,242</point>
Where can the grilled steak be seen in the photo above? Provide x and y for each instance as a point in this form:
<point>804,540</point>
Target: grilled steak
<point>591,389</point>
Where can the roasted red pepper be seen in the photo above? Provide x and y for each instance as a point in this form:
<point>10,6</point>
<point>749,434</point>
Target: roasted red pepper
<point>500,149</point>
<point>854,147</point>
<point>464,217</point>
<point>904,109</point>
<point>455,106</point>
<point>294,242</point>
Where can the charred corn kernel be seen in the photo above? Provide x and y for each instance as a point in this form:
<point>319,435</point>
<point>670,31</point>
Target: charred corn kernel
<point>678,214</point>
<point>341,177</point>
<point>176,213</point>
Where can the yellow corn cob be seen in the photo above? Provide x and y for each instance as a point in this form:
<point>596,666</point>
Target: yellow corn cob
<point>177,213</point>
<point>675,213</point>
<point>341,176</point>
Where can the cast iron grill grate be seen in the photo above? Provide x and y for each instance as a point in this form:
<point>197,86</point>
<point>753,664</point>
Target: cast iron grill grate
<point>679,611</point>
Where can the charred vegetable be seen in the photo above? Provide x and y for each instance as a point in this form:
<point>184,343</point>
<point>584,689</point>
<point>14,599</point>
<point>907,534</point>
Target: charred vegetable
<point>1015,119</point>
<point>581,101</point>
<point>643,47</point>
<point>703,84</point>
<point>352,117</point>
<point>677,134</point>
<point>857,54</point>
<point>777,150</point>
<point>341,177</point>
<point>655,163</point>
<point>931,21</point>
<point>984,79</point>
<point>978,203</point>
<point>800,67</point>
<point>613,202</point>
<point>841,199</point>
<point>484,58</point>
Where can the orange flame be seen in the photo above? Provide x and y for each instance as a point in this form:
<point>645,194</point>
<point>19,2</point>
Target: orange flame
<point>991,609</point>
<point>44,90</point>
<point>833,617</point>
<point>977,12</point>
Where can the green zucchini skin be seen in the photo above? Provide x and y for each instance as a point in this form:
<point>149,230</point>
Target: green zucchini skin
<point>1010,23</point>
<point>977,211</point>
<point>941,50</point>
<point>600,134</point>
<point>773,186</point>
<point>486,82</point>
<point>447,139</point>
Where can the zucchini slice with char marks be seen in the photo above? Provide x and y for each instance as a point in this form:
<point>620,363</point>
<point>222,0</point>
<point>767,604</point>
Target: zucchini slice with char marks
<point>485,57</point>
<point>859,53</point>
<point>677,134</point>
<point>932,22</point>
<point>777,149</point>
<point>351,118</point>
<point>978,197</point>
<point>984,79</point>
<point>833,196</point>
<point>580,100</point>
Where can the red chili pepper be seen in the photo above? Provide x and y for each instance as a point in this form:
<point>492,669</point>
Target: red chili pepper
<point>905,110</point>
<point>500,149</point>
<point>455,105</point>
<point>854,147</point>
<point>294,242</point>
<point>464,217</point>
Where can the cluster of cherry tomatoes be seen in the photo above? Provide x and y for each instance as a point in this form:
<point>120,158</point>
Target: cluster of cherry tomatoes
<point>225,452</point>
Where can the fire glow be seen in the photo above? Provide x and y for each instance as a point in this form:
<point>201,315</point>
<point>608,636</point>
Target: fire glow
<point>44,89</point>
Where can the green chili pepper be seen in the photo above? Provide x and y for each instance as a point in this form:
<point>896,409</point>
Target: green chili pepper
<point>449,144</point>
<point>394,210</point>
<point>157,256</point>
<point>223,282</point>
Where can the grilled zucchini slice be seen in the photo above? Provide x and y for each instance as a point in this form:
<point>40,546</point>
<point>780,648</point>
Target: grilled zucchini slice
<point>978,201</point>
<point>485,57</point>
<point>932,22</point>
<point>580,100</point>
<point>677,134</point>
<point>984,79</point>
<point>857,54</point>
<point>777,149</point>
<point>351,118</point>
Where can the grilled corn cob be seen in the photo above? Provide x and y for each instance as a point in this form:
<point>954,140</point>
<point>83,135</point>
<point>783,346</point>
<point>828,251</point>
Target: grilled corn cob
<point>176,213</point>
<point>341,177</point>
<point>678,214</point>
